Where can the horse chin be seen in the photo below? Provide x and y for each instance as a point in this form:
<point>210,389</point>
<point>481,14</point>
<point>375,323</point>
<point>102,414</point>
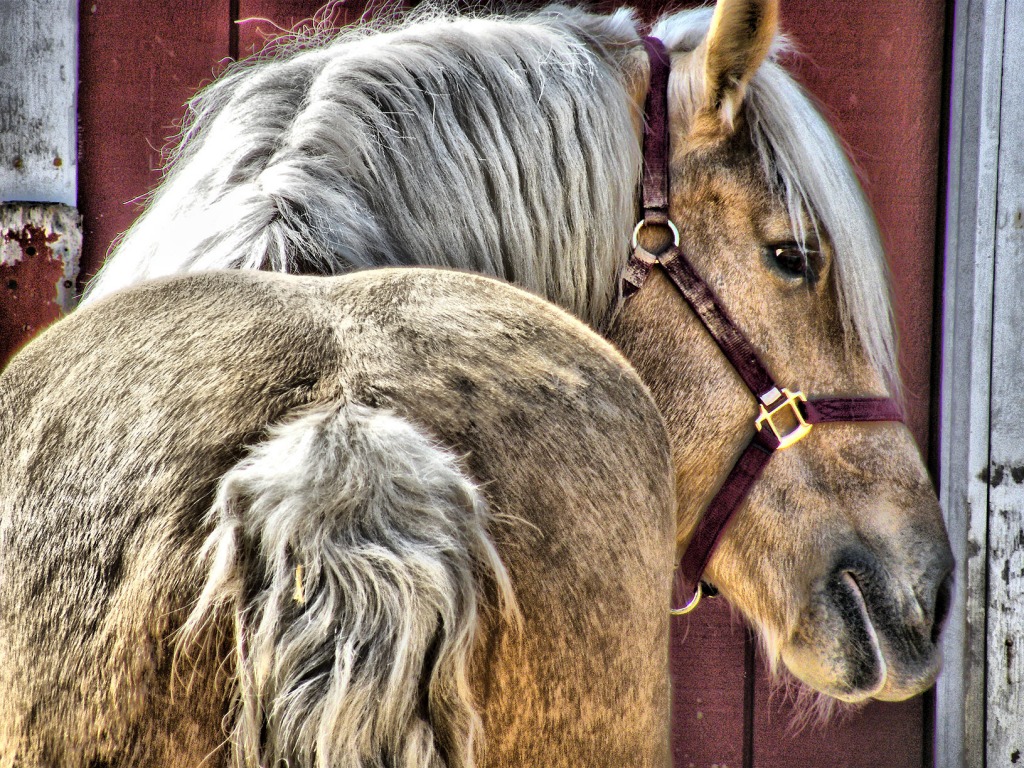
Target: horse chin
<point>851,646</point>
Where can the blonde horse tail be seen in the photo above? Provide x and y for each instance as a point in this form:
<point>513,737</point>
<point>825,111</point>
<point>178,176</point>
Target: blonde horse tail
<point>352,554</point>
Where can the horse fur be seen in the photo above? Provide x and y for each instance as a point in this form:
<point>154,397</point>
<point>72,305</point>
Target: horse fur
<point>432,448</point>
<point>372,543</point>
<point>839,558</point>
<point>737,42</point>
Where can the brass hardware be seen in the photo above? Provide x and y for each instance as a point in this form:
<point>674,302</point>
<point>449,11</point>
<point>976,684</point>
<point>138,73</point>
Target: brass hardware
<point>690,605</point>
<point>799,432</point>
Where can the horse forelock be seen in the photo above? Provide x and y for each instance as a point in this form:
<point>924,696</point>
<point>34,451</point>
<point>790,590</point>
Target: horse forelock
<point>805,160</point>
<point>500,146</point>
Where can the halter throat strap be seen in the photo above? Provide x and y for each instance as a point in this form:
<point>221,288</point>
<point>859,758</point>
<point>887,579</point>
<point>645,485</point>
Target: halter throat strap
<point>776,403</point>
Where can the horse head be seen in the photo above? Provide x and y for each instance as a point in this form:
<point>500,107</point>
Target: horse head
<point>840,557</point>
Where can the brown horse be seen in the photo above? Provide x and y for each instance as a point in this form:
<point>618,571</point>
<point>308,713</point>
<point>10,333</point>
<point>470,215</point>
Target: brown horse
<point>511,147</point>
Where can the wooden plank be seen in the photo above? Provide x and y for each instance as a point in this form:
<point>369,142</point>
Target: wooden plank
<point>40,234</point>
<point>1004,713</point>
<point>39,250</point>
<point>38,69</point>
<point>876,66</point>
<point>974,145</point>
<point>140,62</point>
<point>875,735</point>
<point>708,682</point>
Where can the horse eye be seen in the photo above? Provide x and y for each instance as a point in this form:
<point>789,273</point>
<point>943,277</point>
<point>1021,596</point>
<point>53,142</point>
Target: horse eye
<point>792,261</point>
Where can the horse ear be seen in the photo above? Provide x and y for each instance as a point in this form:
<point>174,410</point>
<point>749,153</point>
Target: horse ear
<point>737,42</point>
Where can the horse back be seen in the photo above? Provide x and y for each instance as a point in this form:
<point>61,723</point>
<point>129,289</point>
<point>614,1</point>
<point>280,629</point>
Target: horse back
<point>120,423</point>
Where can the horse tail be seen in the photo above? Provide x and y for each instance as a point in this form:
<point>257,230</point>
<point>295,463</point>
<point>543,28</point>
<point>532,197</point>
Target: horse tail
<point>353,556</point>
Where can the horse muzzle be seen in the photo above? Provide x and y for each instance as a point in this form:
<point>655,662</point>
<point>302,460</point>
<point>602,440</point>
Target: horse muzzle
<point>871,629</point>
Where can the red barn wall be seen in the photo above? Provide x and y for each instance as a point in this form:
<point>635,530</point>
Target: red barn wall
<point>876,67</point>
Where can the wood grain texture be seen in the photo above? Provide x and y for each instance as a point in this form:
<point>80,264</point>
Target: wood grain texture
<point>38,68</point>
<point>40,246</point>
<point>1004,695</point>
<point>964,456</point>
<point>876,67</point>
<point>708,679</point>
<point>880,734</point>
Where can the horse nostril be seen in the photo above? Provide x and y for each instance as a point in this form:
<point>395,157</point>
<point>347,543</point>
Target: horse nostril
<point>943,599</point>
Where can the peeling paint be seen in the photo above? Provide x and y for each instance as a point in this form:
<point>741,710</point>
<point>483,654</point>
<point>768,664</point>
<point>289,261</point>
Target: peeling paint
<point>995,474</point>
<point>43,233</point>
<point>996,477</point>
<point>974,549</point>
<point>40,247</point>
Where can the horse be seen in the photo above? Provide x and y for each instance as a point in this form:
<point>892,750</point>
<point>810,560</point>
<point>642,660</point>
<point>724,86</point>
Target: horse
<point>400,517</point>
<point>511,146</point>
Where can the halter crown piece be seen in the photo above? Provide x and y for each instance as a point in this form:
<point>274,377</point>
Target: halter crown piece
<point>792,408</point>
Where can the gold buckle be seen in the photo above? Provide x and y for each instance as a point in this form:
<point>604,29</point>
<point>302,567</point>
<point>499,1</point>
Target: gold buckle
<point>799,432</point>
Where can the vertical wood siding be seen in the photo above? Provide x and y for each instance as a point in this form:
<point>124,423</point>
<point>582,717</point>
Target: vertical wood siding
<point>38,58</point>
<point>982,452</point>
<point>1004,715</point>
<point>877,68</point>
<point>140,61</point>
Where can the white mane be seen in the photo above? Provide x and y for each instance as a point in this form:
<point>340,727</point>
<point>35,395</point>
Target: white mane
<point>504,146</point>
<point>498,146</point>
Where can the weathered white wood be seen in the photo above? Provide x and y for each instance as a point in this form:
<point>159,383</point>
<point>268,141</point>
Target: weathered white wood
<point>38,83</point>
<point>1005,671</point>
<point>966,377</point>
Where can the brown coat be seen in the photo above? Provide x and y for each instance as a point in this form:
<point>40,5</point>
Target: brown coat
<point>118,424</point>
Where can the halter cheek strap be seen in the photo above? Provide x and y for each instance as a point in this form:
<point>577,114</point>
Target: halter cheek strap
<point>785,417</point>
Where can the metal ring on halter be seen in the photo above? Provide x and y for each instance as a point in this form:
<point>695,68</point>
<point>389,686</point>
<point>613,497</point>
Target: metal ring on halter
<point>642,223</point>
<point>690,605</point>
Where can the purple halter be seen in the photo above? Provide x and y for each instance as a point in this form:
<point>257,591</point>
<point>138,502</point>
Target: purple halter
<point>773,400</point>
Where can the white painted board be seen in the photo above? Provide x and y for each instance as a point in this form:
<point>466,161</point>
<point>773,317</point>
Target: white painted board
<point>966,373</point>
<point>980,713</point>
<point>38,84</point>
<point>1004,714</point>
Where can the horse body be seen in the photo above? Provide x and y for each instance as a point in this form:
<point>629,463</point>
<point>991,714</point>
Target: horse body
<point>767,207</point>
<point>511,147</point>
<point>364,657</point>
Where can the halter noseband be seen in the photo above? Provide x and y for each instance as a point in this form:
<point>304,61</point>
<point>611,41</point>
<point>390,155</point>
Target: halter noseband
<point>798,413</point>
